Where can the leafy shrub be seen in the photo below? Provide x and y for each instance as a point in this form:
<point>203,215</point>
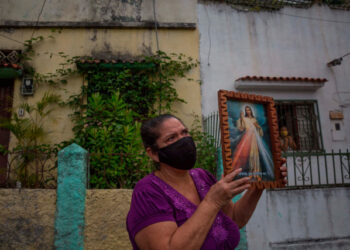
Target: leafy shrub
<point>31,161</point>
<point>108,125</point>
<point>109,132</point>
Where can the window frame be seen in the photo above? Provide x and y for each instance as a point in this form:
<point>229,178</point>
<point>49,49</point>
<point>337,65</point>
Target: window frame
<point>317,121</point>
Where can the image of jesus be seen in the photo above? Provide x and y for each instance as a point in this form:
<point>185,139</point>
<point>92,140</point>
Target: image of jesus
<point>250,151</point>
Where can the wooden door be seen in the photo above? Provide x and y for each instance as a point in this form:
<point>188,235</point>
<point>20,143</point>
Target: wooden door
<point>6,95</point>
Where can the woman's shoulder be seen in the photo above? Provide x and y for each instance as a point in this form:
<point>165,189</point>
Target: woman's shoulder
<point>145,183</point>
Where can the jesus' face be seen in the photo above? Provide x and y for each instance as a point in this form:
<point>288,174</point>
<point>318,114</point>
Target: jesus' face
<point>248,111</point>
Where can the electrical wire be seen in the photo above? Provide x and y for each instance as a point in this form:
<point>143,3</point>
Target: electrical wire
<point>155,23</point>
<point>14,40</point>
<point>38,18</point>
<point>209,36</point>
<point>160,66</point>
<point>346,55</point>
<point>9,38</point>
<point>312,18</point>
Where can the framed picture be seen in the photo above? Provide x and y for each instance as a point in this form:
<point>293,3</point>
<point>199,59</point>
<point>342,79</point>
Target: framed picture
<point>250,137</point>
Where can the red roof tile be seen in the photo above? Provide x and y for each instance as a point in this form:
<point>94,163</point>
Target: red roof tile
<point>280,78</point>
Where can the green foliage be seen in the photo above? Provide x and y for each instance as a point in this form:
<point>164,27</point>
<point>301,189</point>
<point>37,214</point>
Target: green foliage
<point>206,150</point>
<point>31,157</point>
<point>108,125</point>
<point>108,130</point>
<point>66,69</point>
<point>145,91</point>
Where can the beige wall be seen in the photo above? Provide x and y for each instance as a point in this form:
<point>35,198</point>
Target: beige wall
<point>100,43</point>
<point>28,217</point>
<point>105,219</point>
<point>85,12</point>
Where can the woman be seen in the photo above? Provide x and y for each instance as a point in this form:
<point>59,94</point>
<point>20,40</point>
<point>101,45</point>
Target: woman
<point>177,207</point>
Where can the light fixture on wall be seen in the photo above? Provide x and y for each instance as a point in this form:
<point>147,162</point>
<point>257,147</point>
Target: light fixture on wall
<point>27,87</point>
<point>337,61</point>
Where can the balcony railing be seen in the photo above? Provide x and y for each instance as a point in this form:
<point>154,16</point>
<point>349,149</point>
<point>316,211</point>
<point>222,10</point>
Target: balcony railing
<point>305,169</point>
<point>315,169</point>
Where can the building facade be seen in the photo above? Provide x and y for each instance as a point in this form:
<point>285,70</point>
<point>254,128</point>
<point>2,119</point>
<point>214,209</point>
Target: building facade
<point>298,56</point>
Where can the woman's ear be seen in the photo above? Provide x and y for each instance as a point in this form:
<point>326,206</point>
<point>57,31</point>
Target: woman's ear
<point>151,153</point>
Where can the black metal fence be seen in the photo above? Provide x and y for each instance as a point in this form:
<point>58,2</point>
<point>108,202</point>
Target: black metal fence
<point>211,125</point>
<point>29,169</point>
<point>305,168</point>
<point>312,169</point>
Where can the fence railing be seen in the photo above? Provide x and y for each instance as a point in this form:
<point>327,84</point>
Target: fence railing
<point>211,125</point>
<point>314,169</point>
<point>305,169</point>
<point>29,169</point>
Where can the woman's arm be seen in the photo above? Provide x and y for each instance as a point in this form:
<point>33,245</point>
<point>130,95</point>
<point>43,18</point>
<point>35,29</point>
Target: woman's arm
<point>243,209</point>
<point>191,235</point>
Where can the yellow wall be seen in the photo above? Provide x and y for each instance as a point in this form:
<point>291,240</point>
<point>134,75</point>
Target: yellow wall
<point>90,42</point>
<point>28,219</point>
<point>105,219</point>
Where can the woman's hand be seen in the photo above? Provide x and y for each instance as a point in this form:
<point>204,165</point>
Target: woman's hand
<point>224,190</point>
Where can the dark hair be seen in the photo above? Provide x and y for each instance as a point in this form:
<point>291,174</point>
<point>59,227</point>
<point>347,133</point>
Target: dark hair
<point>150,130</point>
<point>251,111</point>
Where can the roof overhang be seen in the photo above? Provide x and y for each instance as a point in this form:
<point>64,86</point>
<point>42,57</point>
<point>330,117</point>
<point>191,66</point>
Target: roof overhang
<point>279,83</point>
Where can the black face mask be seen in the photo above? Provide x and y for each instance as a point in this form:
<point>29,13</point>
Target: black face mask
<point>180,154</point>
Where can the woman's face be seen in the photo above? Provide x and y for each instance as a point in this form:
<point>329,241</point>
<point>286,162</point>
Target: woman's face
<point>248,111</point>
<point>170,131</point>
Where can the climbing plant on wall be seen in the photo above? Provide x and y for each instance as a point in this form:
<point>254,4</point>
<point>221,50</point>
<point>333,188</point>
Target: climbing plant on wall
<point>108,111</point>
<point>31,160</point>
<point>118,99</point>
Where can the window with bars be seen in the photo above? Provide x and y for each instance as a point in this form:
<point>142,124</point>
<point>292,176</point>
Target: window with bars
<point>302,121</point>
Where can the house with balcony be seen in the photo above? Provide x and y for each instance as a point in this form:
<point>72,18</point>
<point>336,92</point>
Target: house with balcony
<point>298,53</point>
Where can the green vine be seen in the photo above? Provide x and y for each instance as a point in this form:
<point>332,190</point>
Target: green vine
<point>108,124</point>
<point>106,115</point>
<point>31,160</point>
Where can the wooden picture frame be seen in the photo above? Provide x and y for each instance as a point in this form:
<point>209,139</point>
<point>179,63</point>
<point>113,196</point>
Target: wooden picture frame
<point>250,137</point>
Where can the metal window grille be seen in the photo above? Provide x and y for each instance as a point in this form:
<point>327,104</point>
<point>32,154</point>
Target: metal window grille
<point>302,121</point>
<point>211,125</point>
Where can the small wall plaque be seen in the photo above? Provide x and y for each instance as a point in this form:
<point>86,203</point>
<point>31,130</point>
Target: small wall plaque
<point>336,115</point>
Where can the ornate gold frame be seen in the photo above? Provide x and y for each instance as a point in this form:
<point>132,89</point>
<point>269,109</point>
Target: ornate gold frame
<point>223,96</point>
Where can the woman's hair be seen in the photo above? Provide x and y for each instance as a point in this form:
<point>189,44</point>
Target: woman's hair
<point>150,130</point>
<point>251,111</point>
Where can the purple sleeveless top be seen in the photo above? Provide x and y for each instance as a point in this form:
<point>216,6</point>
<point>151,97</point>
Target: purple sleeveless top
<point>153,200</point>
